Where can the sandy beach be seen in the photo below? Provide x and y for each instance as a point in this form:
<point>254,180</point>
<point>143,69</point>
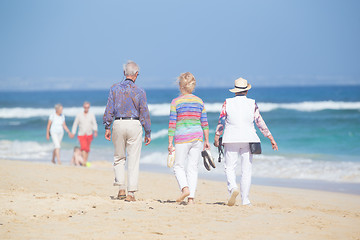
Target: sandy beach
<point>43,201</point>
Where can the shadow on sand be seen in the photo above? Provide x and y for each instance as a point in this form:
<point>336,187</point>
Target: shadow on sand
<point>217,203</point>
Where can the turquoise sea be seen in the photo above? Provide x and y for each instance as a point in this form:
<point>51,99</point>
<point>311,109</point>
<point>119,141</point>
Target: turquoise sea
<point>317,129</point>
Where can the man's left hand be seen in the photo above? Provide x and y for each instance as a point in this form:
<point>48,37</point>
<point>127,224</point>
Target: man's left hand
<point>108,134</point>
<point>147,140</point>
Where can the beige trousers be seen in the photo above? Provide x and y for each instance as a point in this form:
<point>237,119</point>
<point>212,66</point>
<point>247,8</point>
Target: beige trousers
<point>126,137</point>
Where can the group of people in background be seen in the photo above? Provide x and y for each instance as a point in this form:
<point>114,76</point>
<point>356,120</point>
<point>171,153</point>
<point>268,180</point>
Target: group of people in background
<point>85,121</point>
<point>127,113</point>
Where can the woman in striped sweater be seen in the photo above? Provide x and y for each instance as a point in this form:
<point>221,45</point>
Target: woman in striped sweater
<point>188,123</point>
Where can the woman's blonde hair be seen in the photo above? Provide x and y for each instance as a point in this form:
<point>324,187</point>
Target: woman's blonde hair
<point>187,83</point>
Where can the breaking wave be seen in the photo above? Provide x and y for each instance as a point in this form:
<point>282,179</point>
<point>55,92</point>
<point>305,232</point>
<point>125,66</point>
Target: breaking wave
<point>163,109</point>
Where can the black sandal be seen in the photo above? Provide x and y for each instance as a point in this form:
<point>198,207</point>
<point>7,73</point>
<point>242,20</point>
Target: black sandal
<point>208,159</point>
<point>220,150</point>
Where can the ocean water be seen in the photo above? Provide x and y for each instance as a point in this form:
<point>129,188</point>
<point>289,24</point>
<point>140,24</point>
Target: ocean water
<point>317,129</point>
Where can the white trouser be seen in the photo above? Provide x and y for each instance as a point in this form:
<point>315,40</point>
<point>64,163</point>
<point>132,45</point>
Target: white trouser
<point>126,136</point>
<point>57,138</point>
<point>187,154</point>
<point>232,152</point>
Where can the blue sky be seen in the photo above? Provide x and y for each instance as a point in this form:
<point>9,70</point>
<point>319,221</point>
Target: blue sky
<point>73,44</point>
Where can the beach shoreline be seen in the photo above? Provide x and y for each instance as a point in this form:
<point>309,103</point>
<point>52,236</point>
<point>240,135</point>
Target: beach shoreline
<point>309,184</point>
<point>44,201</point>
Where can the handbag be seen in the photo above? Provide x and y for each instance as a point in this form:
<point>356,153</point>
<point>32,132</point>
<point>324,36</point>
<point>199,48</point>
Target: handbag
<point>255,148</point>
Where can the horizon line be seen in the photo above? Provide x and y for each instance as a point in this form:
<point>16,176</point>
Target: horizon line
<point>175,87</point>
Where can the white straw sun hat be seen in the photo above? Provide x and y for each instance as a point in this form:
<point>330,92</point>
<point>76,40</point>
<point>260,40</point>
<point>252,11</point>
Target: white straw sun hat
<point>241,85</point>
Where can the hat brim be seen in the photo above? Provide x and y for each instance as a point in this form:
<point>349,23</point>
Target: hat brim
<point>236,90</point>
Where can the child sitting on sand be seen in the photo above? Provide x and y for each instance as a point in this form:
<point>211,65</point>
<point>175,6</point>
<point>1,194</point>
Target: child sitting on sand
<point>77,158</point>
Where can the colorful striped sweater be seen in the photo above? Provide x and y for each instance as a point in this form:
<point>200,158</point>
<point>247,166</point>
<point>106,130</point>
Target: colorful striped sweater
<point>188,119</point>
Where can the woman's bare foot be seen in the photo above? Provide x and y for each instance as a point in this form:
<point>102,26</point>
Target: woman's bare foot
<point>191,201</point>
<point>184,193</point>
<point>53,157</point>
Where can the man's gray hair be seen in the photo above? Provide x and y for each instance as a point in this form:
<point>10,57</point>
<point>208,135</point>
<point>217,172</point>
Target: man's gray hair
<point>57,106</point>
<point>130,68</point>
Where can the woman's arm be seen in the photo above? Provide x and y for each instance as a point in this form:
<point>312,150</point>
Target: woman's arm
<point>67,130</point>
<point>260,123</point>
<point>206,141</point>
<point>273,143</point>
<point>221,124</point>
<point>48,130</point>
<point>205,128</point>
<point>171,146</point>
<point>172,125</point>
<point>172,119</point>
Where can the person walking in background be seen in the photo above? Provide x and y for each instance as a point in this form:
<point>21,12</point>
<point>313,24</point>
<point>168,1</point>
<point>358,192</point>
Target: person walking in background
<point>237,117</point>
<point>87,130</point>
<point>55,129</point>
<point>127,103</point>
<point>188,123</point>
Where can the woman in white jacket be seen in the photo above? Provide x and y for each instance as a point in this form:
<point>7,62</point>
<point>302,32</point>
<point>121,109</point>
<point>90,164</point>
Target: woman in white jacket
<point>237,117</point>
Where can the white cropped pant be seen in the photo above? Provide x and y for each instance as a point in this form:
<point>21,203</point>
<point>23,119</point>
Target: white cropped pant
<point>57,138</point>
<point>232,152</point>
<point>187,154</point>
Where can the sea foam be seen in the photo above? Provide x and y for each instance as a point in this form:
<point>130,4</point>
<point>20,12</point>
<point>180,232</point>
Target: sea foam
<point>25,150</point>
<point>270,166</point>
<point>163,109</point>
<point>264,166</point>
